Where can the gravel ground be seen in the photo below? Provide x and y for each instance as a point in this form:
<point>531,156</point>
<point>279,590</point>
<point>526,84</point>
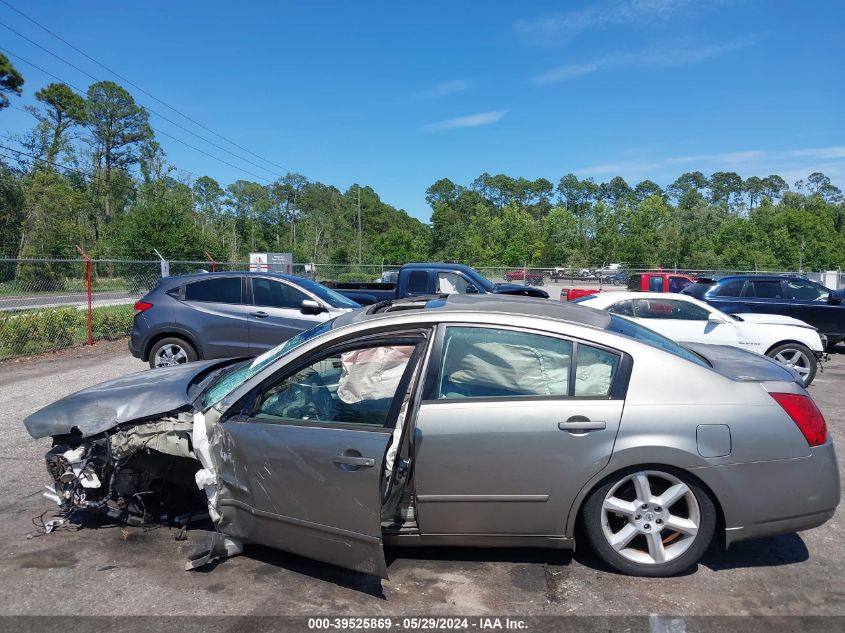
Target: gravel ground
<point>109,570</point>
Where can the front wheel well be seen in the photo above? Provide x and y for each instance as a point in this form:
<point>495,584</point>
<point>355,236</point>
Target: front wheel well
<point>621,472</point>
<point>787,342</point>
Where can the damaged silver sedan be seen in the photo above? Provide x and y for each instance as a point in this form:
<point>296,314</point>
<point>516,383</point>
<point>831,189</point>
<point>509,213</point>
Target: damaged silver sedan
<point>456,420</point>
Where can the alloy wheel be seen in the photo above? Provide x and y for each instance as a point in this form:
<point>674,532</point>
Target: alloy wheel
<point>169,355</point>
<point>795,359</point>
<point>650,517</point>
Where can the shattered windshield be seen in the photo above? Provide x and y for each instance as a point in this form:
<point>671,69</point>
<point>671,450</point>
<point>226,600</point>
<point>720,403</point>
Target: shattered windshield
<point>237,374</point>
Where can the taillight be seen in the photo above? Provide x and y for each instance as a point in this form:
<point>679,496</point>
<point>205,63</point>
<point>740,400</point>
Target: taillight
<point>806,416</point>
<point>140,306</point>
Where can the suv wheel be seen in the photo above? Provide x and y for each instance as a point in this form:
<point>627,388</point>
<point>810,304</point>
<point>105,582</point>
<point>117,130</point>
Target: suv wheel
<point>798,357</point>
<point>171,351</point>
<point>649,522</point>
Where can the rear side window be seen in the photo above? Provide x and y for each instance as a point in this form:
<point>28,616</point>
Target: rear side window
<point>655,284</point>
<point>731,288</point>
<point>418,281</point>
<point>498,363</point>
<point>767,289</point>
<point>275,294</point>
<point>217,290</point>
<point>495,363</point>
<point>594,371</point>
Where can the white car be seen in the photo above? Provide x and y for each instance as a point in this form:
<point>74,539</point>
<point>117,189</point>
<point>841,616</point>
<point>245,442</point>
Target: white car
<point>685,319</point>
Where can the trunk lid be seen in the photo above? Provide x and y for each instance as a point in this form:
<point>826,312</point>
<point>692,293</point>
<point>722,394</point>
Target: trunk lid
<point>739,364</point>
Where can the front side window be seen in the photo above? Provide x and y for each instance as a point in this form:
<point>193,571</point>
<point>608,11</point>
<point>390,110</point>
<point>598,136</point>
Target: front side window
<point>275,294</point>
<point>451,283</point>
<point>767,289</point>
<point>803,290</point>
<point>217,290</point>
<point>669,309</point>
<point>351,387</point>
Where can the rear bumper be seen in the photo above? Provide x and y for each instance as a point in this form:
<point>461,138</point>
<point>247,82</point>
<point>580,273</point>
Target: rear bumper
<point>780,526</point>
<point>133,349</point>
<point>779,496</point>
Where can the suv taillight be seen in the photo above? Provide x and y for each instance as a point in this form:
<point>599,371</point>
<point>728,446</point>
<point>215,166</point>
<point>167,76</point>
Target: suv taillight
<point>806,416</point>
<point>140,306</point>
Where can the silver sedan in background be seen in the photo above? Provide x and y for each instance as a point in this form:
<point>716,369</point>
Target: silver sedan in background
<point>468,421</point>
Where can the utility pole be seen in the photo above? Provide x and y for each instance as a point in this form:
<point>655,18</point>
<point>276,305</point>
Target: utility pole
<point>801,257</point>
<point>359,225</point>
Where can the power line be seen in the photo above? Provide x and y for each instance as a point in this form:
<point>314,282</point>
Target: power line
<point>156,113</point>
<point>137,87</point>
<point>157,131</point>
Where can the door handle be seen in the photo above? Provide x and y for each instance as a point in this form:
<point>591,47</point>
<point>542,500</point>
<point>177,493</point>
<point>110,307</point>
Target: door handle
<point>259,315</point>
<point>581,423</point>
<point>351,460</point>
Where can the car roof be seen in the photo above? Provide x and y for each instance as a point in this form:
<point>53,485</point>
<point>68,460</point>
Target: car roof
<point>608,298</point>
<point>229,273</point>
<point>749,276</point>
<point>436,266</point>
<point>486,304</point>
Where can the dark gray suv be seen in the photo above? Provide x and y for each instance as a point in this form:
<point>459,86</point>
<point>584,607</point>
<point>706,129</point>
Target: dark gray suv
<point>218,315</point>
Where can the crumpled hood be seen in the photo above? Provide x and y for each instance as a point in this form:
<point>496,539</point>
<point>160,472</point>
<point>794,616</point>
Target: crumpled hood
<point>136,396</point>
<point>518,289</point>
<point>772,319</point>
<point>741,364</point>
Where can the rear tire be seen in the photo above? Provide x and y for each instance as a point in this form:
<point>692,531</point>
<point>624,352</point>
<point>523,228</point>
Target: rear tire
<point>797,356</point>
<point>172,351</point>
<point>649,521</point>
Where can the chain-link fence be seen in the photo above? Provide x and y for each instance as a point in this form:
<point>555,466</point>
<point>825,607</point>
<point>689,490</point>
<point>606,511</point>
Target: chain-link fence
<point>44,303</point>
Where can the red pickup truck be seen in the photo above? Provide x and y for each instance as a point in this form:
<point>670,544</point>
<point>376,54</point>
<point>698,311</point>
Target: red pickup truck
<point>647,282</point>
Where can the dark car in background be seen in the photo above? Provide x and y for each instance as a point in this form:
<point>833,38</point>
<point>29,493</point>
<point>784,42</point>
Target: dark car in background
<point>787,295</point>
<point>219,315</point>
<point>417,280</point>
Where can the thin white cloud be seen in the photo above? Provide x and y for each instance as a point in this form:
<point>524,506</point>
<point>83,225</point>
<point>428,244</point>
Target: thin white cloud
<point>445,88</point>
<point>561,27</point>
<point>792,164</point>
<point>471,120</point>
<point>666,56</point>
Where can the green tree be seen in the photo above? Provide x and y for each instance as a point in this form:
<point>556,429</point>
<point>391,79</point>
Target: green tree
<point>63,109</point>
<point>11,81</point>
<point>118,127</point>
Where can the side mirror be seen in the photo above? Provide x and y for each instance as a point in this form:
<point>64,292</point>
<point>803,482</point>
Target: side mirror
<point>471,290</point>
<point>834,298</point>
<point>309,306</point>
<point>715,319</point>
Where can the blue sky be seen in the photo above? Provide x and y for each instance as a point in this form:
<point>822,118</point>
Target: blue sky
<point>397,95</point>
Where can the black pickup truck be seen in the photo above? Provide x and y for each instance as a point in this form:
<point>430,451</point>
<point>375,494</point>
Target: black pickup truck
<point>426,279</point>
